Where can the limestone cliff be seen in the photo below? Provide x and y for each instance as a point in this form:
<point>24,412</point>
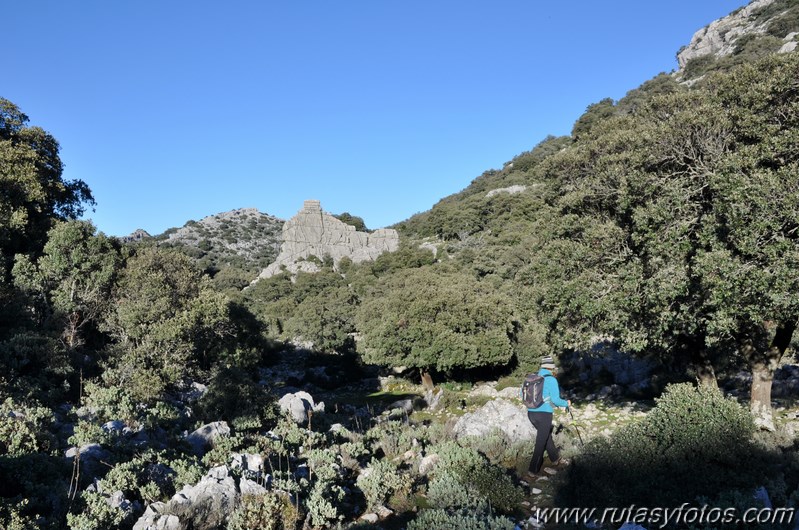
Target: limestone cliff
<point>315,233</point>
<point>724,36</point>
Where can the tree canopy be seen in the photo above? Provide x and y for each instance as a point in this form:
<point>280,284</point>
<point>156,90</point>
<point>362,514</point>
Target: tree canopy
<point>34,194</point>
<point>678,225</point>
<point>434,319</point>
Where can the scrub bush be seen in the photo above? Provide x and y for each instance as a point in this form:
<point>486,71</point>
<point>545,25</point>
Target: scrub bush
<point>475,473</point>
<point>694,443</point>
<point>443,520</point>
<point>270,511</point>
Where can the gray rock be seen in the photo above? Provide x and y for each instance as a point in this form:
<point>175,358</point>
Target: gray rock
<point>154,518</point>
<point>432,247</point>
<point>203,438</point>
<point>509,190</point>
<point>247,462</point>
<point>484,390</point>
<point>207,504</point>
<point>203,506</point>
<point>433,399</point>
<point>117,500</point>
<point>720,37</point>
<point>788,47</point>
<point>115,426</point>
<point>428,464</point>
<point>510,392</point>
<point>312,232</point>
<point>91,457</point>
<point>298,405</point>
<point>137,235</point>
<point>499,414</point>
<point>405,405</point>
<point>250,487</point>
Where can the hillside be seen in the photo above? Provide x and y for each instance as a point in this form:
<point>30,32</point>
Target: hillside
<point>760,29</point>
<point>244,238</point>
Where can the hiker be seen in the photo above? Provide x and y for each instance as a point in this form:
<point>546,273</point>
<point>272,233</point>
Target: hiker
<point>541,417</point>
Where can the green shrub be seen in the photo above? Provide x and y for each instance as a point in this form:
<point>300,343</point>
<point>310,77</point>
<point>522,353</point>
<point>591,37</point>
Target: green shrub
<point>34,487</point>
<point>24,429</point>
<point>447,491</point>
<point>381,480</point>
<point>443,520</point>
<point>110,402</point>
<point>393,437</point>
<point>270,511</point>
<point>12,518</point>
<point>695,442</point>
<point>322,463</point>
<point>324,502</point>
<point>236,397</point>
<point>501,452</point>
<point>352,453</point>
<point>97,514</point>
<point>475,472</point>
<point>493,445</point>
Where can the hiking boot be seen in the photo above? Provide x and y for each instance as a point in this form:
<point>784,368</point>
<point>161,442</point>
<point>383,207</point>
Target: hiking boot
<point>561,462</point>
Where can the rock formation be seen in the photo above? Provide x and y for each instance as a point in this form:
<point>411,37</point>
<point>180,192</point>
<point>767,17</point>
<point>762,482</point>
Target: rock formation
<point>509,190</point>
<point>720,37</point>
<point>499,414</point>
<point>137,235</point>
<point>298,406</point>
<point>204,506</point>
<point>315,233</point>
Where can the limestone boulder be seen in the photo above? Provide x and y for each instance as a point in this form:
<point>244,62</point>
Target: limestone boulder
<point>203,438</point>
<point>298,405</point>
<point>499,414</point>
<point>91,458</point>
<point>203,506</point>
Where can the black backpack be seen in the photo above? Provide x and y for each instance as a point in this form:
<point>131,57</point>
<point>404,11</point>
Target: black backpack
<point>533,390</point>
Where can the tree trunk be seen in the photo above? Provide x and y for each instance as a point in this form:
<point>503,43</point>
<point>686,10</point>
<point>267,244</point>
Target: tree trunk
<point>760,400</point>
<point>763,366</point>
<point>427,381</point>
<point>706,373</point>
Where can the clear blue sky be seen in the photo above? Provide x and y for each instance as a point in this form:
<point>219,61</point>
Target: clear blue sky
<point>174,110</point>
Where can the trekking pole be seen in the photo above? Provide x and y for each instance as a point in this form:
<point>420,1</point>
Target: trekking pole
<point>575,426</point>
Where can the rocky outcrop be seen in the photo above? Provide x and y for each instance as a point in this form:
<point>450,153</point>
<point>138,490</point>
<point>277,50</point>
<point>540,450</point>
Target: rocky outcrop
<point>313,233</point>
<point>299,405</point>
<point>510,190</point>
<point>137,235</point>
<point>790,42</point>
<point>720,37</point>
<point>499,414</point>
<point>204,506</point>
<point>203,438</point>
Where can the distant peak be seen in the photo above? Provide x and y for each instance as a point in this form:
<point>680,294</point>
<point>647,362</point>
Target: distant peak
<point>137,235</point>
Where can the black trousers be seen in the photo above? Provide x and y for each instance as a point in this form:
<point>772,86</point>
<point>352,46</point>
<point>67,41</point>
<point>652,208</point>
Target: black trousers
<point>542,421</point>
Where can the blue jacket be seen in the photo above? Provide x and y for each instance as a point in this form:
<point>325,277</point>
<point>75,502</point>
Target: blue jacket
<point>551,393</point>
